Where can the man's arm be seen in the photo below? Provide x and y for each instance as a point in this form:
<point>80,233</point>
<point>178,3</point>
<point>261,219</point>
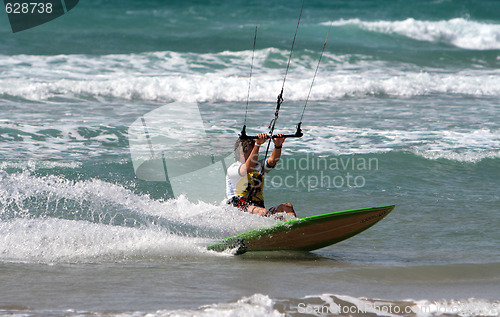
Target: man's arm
<point>276,155</point>
<point>254,155</point>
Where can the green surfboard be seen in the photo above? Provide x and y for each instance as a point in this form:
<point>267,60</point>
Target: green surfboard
<point>305,234</point>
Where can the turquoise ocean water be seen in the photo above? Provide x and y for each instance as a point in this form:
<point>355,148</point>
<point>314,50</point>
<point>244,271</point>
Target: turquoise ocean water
<point>404,110</point>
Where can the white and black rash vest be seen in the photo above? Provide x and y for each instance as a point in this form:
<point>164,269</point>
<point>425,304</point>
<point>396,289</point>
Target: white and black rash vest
<point>239,185</point>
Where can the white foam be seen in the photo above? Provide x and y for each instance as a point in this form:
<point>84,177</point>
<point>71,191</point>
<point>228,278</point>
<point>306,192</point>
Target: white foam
<point>470,146</point>
<point>58,240</point>
<point>218,87</point>
<point>52,219</point>
<point>461,145</point>
<point>18,187</point>
<point>464,156</point>
<point>69,142</point>
<point>458,32</point>
<point>190,77</point>
<point>467,307</point>
<point>257,305</point>
<point>33,165</point>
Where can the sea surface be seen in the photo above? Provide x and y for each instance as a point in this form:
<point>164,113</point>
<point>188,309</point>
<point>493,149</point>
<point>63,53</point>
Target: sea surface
<point>404,110</point>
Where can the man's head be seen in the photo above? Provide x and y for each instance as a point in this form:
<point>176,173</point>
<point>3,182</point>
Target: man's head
<point>242,149</point>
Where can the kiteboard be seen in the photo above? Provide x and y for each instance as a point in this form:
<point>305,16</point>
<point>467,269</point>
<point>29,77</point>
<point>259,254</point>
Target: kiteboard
<point>304,234</point>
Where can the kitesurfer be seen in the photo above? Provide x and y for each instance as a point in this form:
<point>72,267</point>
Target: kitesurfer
<point>245,177</point>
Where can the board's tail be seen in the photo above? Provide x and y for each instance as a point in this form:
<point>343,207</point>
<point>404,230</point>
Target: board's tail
<point>232,243</point>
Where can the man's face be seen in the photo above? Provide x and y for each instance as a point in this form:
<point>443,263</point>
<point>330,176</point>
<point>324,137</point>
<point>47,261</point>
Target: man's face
<point>246,151</point>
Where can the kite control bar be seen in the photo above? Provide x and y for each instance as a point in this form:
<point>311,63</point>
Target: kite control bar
<point>297,134</point>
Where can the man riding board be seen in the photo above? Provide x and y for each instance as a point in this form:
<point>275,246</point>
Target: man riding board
<point>245,178</point>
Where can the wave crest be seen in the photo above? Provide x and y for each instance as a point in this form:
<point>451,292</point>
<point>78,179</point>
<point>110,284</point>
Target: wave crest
<point>458,32</point>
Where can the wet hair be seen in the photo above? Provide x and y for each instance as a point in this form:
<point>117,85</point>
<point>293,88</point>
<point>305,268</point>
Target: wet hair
<point>242,145</point>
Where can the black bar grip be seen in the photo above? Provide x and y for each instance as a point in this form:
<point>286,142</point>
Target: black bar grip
<point>274,136</point>
<point>298,134</point>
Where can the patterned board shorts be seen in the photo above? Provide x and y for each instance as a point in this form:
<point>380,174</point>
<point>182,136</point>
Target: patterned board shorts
<point>242,204</point>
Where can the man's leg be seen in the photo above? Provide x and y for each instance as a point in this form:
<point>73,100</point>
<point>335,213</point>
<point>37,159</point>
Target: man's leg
<point>286,207</point>
<point>258,210</point>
